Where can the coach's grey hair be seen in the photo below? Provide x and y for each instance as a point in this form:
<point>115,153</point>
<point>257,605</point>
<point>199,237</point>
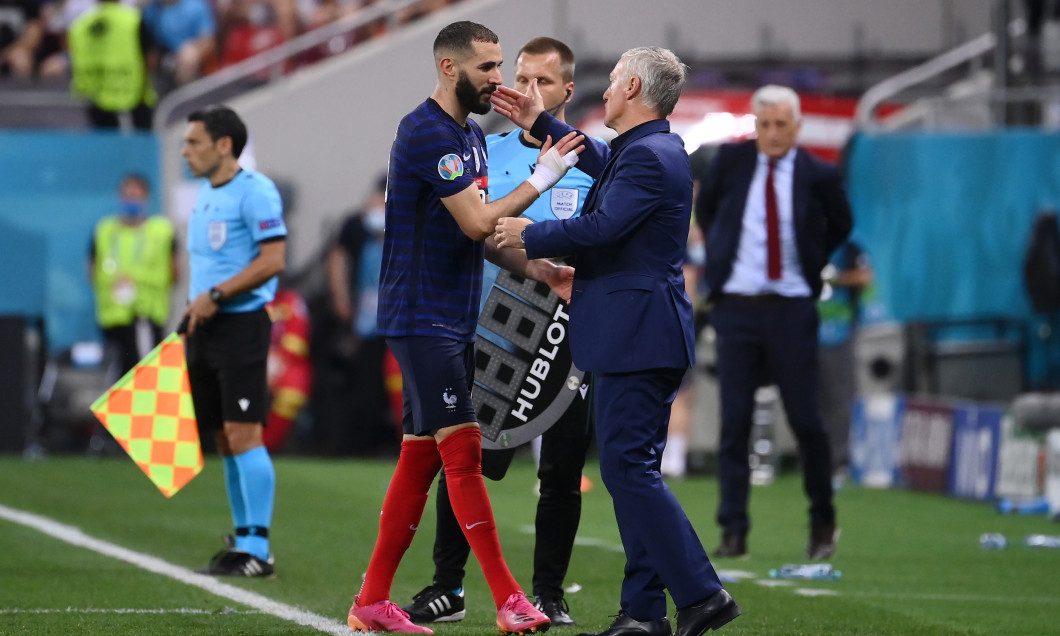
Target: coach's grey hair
<point>662,76</point>
<point>772,94</point>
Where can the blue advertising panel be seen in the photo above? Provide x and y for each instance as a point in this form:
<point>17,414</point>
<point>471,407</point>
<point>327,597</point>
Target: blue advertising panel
<point>976,440</point>
<point>875,435</point>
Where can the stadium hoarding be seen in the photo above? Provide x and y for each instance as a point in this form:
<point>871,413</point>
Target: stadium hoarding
<point>926,443</point>
<point>1019,463</point>
<point>875,434</point>
<point>974,457</point>
<point>1052,472</point>
<point>710,117</point>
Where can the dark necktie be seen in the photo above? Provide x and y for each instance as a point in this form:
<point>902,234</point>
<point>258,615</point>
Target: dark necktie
<point>772,228</point>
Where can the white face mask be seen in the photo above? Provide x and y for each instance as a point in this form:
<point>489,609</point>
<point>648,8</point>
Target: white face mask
<point>374,220</point>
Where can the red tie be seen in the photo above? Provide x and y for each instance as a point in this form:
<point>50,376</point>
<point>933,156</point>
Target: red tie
<point>772,228</point>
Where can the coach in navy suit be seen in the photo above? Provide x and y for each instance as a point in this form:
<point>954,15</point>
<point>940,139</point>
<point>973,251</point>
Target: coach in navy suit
<point>771,215</point>
<point>631,326</point>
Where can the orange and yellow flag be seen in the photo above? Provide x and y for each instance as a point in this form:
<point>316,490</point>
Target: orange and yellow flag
<point>149,412</point>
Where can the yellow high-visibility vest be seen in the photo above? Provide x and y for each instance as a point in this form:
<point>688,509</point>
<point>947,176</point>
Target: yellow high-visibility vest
<point>106,60</point>
<point>133,270</point>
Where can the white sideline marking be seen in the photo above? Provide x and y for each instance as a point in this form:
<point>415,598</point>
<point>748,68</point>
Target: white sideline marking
<point>735,575</point>
<point>773,582</point>
<point>812,591</point>
<point>599,543</point>
<point>972,598</point>
<point>580,540</point>
<point>75,536</point>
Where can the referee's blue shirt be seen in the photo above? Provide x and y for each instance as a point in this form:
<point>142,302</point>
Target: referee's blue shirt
<point>224,230</point>
<point>431,278</point>
<point>512,161</point>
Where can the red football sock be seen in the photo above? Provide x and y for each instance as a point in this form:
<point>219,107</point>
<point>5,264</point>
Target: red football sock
<point>462,457</point>
<point>403,505</point>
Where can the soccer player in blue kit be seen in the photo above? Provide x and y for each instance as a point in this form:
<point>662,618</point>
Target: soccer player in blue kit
<point>439,226</point>
<point>237,246</point>
<point>549,64</point>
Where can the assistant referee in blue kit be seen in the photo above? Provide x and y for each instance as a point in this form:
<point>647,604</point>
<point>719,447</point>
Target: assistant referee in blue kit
<point>237,245</point>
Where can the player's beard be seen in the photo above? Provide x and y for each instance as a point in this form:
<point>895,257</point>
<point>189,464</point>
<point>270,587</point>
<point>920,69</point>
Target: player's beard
<point>471,97</point>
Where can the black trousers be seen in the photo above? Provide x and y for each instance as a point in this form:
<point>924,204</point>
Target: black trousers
<point>133,341</point>
<point>759,340</point>
<point>563,449</point>
<point>104,119</point>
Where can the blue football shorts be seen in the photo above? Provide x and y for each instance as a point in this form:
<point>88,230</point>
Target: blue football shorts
<point>436,379</point>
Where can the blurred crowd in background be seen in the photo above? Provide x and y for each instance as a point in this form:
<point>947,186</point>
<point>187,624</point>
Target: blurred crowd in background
<point>187,38</point>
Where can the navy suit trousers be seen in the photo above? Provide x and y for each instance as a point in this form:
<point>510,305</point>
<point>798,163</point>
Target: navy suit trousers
<point>761,340</point>
<point>662,549</point>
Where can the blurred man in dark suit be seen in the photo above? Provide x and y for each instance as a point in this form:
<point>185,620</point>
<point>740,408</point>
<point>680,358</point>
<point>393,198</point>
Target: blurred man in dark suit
<point>771,214</point>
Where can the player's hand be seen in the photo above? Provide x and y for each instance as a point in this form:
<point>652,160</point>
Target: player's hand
<point>559,278</point>
<point>521,109</point>
<point>553,162</point>
<point>561,281</point>
<point>508,232</point>
<point>571,142</point>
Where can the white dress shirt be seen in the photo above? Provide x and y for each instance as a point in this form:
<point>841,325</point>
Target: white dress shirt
<point>749,276</point>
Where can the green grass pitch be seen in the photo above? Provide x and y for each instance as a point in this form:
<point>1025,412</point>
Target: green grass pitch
<point>910,562</point>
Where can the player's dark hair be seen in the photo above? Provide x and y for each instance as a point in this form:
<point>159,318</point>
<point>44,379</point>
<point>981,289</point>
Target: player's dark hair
<point>222,121</point>
<point>544,46</point>
<point>459,37</point>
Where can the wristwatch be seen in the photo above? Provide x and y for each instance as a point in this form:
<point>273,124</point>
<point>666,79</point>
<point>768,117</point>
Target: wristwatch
<point>216,295</point>
<point>522,235</point>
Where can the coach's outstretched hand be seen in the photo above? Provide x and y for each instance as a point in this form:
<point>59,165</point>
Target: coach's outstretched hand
<point>521,109</point>
<point>509,231</point>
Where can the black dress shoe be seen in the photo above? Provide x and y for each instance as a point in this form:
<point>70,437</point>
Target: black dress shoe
<point>733,544</point>
<point>711,613</point>
<point>823,539</point>
<point>556,609</point>
<point>625,625</point>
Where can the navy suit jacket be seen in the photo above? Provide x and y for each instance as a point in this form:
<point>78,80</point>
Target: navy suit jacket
<point>821,213</point>
<point>629,310</point>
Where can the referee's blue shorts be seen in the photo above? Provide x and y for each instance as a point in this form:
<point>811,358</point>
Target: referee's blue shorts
<point>437,375</point>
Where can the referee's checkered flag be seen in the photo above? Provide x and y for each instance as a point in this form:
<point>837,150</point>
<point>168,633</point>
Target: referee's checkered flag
<point>149,412</point>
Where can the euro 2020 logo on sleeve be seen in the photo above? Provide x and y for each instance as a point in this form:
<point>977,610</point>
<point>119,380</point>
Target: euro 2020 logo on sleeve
<point>450,167</point>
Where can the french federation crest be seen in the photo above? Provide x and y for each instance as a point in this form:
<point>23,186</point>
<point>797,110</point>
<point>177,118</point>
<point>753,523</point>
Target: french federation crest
<point>450,167</point>
<point>216,234</point>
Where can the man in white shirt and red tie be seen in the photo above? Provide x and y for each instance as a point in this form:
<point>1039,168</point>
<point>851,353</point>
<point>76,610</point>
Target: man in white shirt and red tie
<point>771,215</point>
